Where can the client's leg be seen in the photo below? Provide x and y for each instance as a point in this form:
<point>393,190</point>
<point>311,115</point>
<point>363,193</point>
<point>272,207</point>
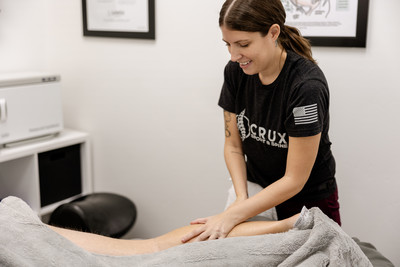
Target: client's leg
<point>106,245</point>
<point>110,246</point>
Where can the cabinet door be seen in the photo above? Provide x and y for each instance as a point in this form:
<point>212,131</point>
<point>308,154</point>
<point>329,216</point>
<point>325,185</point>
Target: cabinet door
<point>60,174</point>
<point>19,177</point>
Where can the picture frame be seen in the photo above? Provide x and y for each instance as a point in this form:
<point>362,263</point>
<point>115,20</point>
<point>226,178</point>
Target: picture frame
<point>344,26</point>
<point>119,18</point>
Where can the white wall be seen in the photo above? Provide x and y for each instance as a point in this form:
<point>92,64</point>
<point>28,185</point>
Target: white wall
<point>22,42</point>
<point>364,128</point>
<point>151,109</point>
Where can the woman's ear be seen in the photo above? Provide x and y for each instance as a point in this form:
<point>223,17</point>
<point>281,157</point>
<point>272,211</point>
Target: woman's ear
<point>274,31</point>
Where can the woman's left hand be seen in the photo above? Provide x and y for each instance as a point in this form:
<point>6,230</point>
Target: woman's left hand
<point>213,227</point>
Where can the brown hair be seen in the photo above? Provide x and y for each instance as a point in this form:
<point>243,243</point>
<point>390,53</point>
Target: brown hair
<point>259,16</point>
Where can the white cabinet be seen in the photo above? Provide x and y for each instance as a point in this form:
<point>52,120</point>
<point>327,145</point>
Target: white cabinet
<point>20,174</point>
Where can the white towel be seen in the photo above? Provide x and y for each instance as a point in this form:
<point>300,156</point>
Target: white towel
<point>252,189</point>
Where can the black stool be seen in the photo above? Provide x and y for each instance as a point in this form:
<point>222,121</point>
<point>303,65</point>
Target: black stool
<point>100,213</point>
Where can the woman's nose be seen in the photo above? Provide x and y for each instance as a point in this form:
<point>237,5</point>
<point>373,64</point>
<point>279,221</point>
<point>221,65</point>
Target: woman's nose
<point>235,55</point>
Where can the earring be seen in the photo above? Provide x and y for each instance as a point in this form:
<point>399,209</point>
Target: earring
<point>276,43</point>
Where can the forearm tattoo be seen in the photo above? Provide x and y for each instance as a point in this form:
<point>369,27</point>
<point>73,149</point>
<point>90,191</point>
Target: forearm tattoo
<point>227,117</point>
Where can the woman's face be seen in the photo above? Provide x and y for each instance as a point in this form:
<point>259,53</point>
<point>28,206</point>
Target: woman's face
<point>254,52</point>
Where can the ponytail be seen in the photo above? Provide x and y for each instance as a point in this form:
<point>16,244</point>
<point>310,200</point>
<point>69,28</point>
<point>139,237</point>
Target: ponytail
<point>291,39</point>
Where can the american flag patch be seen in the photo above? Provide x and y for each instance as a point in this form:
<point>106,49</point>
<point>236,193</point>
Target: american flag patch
<point>305,114</point>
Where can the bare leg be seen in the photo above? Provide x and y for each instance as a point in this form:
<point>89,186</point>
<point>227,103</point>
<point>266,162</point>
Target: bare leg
<point>106,245</point>
<point>111,246</point>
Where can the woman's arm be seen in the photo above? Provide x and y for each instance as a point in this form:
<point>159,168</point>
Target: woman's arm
<point>234,156</point>
<point>300,160</point>
<point>235,162</point>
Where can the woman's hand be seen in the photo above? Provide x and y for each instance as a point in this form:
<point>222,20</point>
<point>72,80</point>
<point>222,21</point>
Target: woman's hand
<point>213,227</point>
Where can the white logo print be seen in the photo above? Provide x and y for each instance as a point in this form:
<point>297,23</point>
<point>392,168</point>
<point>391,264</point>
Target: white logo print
<point>258,133</point>
<point>243,128</point>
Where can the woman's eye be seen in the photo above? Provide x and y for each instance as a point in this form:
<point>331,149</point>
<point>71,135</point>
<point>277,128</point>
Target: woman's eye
<point>244,45</point>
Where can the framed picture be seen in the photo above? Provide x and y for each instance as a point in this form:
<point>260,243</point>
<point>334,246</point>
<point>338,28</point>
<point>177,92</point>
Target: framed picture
<point>329,22</point>
<point>119,18</point>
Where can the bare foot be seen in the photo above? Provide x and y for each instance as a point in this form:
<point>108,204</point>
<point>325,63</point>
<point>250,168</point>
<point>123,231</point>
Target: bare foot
<point>292,220</point>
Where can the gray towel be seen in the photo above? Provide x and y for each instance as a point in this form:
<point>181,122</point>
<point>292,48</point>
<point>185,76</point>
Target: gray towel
<point>315,241</point>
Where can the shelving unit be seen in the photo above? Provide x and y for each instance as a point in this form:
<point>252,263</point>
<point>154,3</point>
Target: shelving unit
<point>19,169</point>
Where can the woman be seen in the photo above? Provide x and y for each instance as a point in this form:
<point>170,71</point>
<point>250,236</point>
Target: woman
<point>275,100</point>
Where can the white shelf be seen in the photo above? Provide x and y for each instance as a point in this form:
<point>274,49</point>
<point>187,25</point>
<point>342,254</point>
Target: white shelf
<point>19,172</point>
<point>65,138</point>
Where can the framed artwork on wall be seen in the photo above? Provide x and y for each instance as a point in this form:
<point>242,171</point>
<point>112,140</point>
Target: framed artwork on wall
<point>329,22</point>
<point>119,18</point>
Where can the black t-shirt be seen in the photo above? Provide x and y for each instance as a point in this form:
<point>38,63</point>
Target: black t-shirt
<point>296,104</point>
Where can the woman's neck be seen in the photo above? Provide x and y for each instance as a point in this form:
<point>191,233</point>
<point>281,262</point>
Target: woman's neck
<point>270,76</point>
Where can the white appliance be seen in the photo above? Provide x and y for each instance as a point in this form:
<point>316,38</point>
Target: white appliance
<point>30,106</point>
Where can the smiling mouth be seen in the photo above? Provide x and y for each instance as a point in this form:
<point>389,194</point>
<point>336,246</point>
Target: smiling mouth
<point>244,63</point>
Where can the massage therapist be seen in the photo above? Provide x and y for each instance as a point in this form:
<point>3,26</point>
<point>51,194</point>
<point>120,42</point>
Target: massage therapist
<point>275,101</point>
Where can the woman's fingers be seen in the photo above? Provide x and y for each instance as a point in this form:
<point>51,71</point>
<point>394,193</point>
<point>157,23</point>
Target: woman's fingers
<point>203,236</point>
<point>214,227</point>
<point>199,221</point>
<point>207,236</point>
<point>193,234</point>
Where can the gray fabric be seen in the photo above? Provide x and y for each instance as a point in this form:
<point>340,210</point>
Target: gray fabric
<point>316,241</point>
<point>375,257</point>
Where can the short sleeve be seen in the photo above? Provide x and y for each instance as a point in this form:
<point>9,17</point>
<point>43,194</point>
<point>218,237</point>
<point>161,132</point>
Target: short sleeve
<point>307,111</point>
<point>229,88</point>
